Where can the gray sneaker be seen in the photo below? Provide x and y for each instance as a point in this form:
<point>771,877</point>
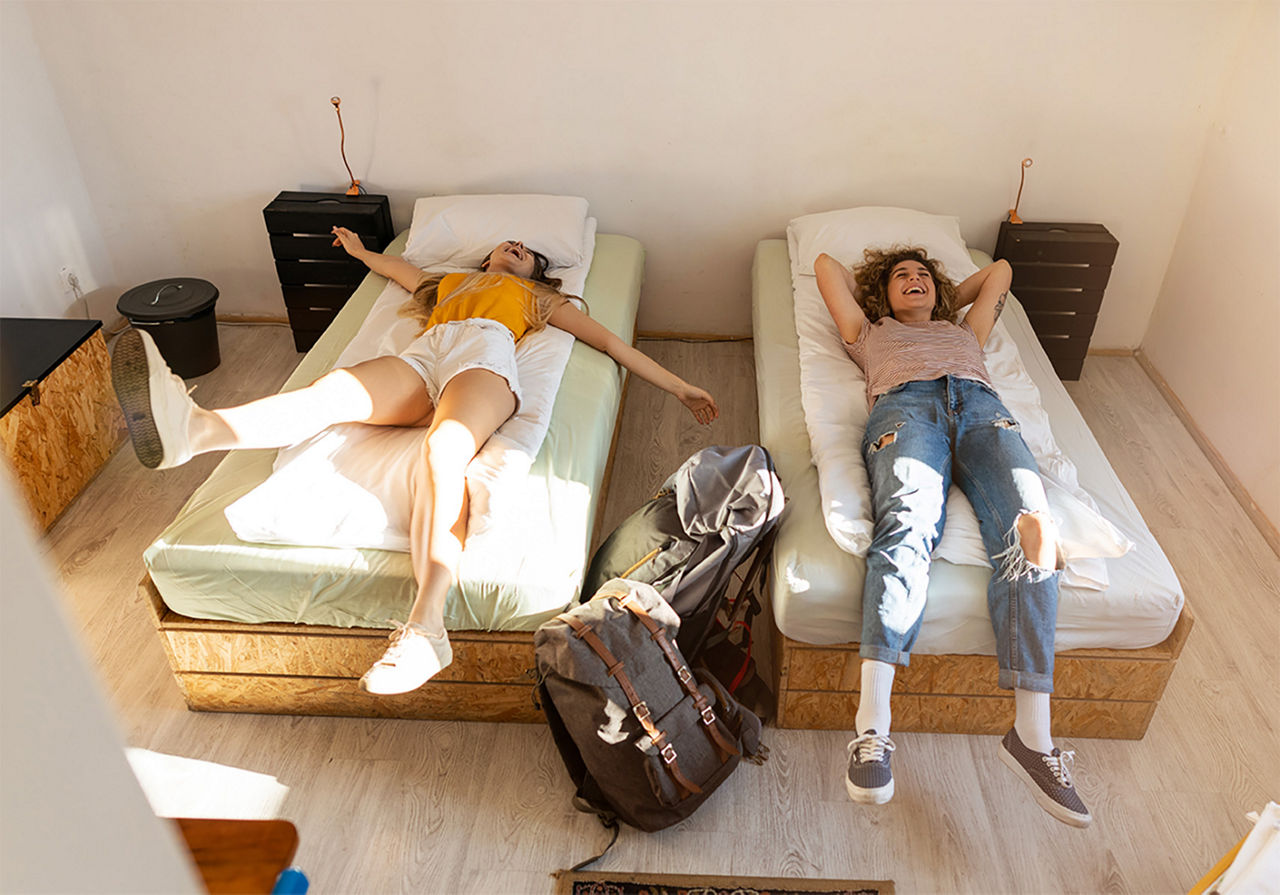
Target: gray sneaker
<point>869,779</point>
<point>1049,777</point>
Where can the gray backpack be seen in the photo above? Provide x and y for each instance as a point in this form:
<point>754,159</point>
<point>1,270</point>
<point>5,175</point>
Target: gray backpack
<point>645,738</point>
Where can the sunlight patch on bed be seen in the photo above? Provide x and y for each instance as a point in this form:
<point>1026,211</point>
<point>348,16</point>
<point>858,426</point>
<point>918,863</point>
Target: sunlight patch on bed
<point>795,583</point>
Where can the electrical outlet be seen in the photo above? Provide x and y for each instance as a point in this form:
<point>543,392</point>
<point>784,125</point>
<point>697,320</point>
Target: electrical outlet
<point>70,282</point>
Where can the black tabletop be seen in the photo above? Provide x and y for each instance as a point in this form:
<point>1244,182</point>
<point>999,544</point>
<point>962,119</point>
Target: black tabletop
<point>31,348</point>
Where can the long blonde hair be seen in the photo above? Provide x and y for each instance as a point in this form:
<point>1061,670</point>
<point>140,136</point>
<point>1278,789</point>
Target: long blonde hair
<point>544,294</point>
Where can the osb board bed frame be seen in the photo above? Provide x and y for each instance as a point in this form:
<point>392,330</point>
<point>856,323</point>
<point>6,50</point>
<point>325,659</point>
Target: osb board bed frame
<point>287,669</point>
<point>1106,693</point>
<point>314,670</point>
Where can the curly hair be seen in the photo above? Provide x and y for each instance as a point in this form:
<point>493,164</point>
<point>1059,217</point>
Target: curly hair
<point>544,292</point>
<point>872,278</point>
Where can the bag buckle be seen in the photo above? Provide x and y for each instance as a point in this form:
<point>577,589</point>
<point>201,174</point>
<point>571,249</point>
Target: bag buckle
<point>684,674</point>
<point>708,716</point>
<point>668,753</point>
<point>641,710</point>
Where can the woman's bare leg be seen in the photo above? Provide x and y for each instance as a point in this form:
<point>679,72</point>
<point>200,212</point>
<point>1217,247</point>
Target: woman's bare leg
<point>472,406</point>
<point>385,391</point>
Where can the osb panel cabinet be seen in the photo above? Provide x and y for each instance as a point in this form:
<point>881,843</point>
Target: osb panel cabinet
<point>61,422</point>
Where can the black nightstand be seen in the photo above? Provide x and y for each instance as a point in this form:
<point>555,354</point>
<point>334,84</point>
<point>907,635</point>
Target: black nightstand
<point>1060,272</point>
<point>317,277</point>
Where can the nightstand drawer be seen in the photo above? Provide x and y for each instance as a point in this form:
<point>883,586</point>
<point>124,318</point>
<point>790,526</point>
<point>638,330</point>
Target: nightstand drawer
<point>1063,323</point>
<point>309,246</point>
<point>1036,275</point>
<point>1039,298</point>
<point>319,213</point>
<point>311,319</point>
<point>1085,244</point>
<point>331,297</point>
<point>300,273</point>
<point>1066,354</point>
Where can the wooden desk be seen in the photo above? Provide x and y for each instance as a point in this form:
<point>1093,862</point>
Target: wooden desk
<point>61,422</point>
<point>239,856</point>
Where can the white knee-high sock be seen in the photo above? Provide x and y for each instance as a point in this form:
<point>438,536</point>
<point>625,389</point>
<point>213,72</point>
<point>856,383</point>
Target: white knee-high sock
<point>1032,719</point>
<point>873,702</point>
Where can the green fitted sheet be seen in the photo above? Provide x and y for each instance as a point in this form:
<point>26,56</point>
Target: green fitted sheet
<point>203,570</point>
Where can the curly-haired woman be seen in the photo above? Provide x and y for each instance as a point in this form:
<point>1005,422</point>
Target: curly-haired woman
<point>935,418</point>
<point>458,379</point>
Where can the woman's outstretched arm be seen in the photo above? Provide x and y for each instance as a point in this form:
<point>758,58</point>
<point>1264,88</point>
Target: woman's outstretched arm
<point>389,266</point>
<point>836,283</point>
<point>571,320</point>
<point>987,290</point>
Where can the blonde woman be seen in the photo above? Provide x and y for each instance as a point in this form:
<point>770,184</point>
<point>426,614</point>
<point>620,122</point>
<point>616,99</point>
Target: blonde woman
<point>458,379</point>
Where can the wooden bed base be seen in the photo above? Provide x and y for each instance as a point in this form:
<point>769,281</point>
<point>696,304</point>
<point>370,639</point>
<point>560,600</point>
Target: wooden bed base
<point>314,670</point>
<point>285,669</point>
<point>1107,693</point>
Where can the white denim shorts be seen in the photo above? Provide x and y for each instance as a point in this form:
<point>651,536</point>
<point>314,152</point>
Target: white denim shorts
<point>448,349</point>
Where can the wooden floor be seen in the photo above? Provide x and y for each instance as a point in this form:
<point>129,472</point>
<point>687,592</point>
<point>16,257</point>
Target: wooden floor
<point>405,806</point>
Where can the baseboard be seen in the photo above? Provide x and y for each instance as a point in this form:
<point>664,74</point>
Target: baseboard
<point>1265,526</point>
<point>690,337</point>
<point>251,318</point>
<point>1111,352</point>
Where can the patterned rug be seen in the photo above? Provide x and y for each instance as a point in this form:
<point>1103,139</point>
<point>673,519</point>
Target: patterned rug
<point>570,883</point>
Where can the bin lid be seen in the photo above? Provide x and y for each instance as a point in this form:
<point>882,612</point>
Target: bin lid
<point>174,298</point>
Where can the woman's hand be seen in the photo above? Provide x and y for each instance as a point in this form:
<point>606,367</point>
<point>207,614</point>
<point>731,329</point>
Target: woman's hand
<point>700,403</point>
<point>405,274</point>
<point>573,321</point>
<point>349,241</point>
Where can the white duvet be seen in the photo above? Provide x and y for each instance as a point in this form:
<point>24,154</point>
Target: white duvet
<point>349,486</point>
<point>833,395</point>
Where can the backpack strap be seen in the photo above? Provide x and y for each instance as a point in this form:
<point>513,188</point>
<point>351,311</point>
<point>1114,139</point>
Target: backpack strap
<point>658,634</point>
<point>639,708</point>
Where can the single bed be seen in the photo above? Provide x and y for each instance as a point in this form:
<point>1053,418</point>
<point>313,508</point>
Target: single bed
<point>1116,647</point>
<point>273,628</point>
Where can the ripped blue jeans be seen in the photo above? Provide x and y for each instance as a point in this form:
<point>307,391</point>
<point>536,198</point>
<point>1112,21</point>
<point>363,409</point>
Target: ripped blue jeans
<point>919,436</point>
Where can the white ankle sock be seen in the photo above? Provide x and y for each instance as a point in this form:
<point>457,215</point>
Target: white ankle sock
<point>436,634</point>
<point>1032,720</point>
<point>873,701</point>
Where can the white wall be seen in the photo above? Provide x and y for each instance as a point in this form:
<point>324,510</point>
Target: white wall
<point>72,816</point>
<point>1215,332</point>
<point>699,127</point>
<point>46,216</point>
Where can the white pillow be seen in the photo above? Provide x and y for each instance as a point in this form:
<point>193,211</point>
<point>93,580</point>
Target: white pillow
<point>458,231</point>
<point>845,233</point>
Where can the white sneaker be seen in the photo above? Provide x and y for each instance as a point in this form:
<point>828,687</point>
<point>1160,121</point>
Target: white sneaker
<point>413,658</point>
<point>157,407</point>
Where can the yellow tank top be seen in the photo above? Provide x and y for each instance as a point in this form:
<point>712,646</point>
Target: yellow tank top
<point>499,297</point>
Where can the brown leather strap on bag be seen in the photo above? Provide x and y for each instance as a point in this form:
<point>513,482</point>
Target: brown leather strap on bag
<point>658,634</point>
<point>614,666</point>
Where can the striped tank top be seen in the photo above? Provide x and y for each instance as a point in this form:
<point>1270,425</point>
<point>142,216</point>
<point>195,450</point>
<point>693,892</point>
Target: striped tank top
<point>890,353</point>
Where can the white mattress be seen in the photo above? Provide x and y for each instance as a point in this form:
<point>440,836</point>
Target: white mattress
<point>817,587</point>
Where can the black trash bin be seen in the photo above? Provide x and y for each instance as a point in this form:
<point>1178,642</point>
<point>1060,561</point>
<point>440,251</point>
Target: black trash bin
<point>177,313</point>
